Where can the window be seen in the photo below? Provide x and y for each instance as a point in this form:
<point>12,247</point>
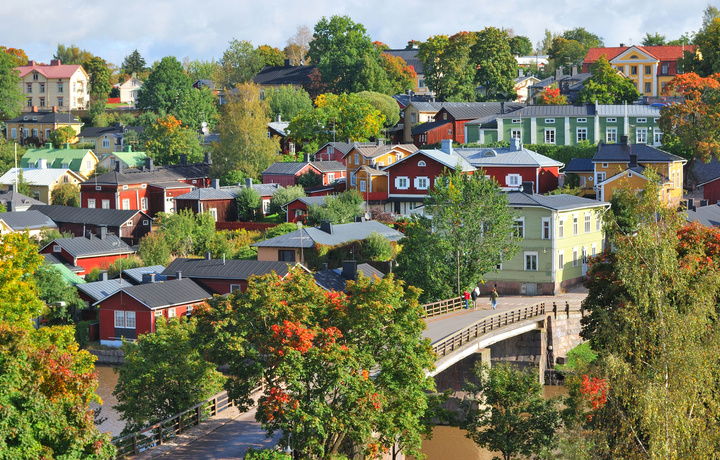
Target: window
<point>143,204</point>
<point>513,180</point>
<point>549,120</point>
<point>575,257</point>
<point>29,102</point>
<point>146,222</point>
<point>357,158</point>
<point>57,248</point>
<point>331,177</point>
<point>611,120</point>
<point>598,222</point>
<point>26,132</point>
<point>130,320</point>
<point>47,135</point>
<point>545,229</point>
<point>35,76</point>
<point>611,135</point>
<point>60,87</point>
<point>633,70</point>
<point>28,88</point>
<point>587,222</point>
<point>402,182</point>
<point>575,225</point>
<point>648,86</point>
<point>125,187</point>
<point>421,164</point>
<point>641,136</point>
<point>120,319</point>
<point>42,87</point>
<point>593,250</point>
<point>65,165</point>
<point>35,132</point>
<point>642,120</point>
<point>106,204</point>
<point>235,287</point>
<point>515,134</point>
<point>519,227</point>
<point>581,134</point>
<point>582,120</point>
<point>398,157</point>
<point>353,179</point>
<point>60,102</point>
<point>91,203</point>
<point>422,183</point>
<point>171,312</point>
<point>664,68</point>
<point>286,255</point>
<point>362,185</point>
<point>648,70</point>
<point>106,143</point>
<point>657,137</point>
<point>561,259</point>
<point>13,133</point>
<point>604,165</point>
<point>413,118</point>
<point>516,120</point>
<point>421,83</point>
<point>126,204</point>
<point>549,136</point>
<point>599,177</point>
<point>561,229</point>
<point>98,187</point>
<point>266,206</point>
<point>42,102</point>
<point>531,262</point>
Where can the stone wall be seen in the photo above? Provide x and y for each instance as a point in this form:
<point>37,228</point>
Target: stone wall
<point>563,334</point>
<point>109,357</point>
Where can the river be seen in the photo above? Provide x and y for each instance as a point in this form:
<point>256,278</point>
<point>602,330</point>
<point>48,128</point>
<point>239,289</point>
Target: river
<point>107,379</point>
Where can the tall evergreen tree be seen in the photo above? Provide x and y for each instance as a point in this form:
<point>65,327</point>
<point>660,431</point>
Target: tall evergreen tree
<point>134,62</point>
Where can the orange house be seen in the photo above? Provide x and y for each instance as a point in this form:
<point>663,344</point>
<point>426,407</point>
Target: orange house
<point>364,163</point>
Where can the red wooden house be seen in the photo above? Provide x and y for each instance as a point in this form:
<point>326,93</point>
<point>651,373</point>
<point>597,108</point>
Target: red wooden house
<point>331,170</point>
<point>221,202</point>
<point>333,151</point>
<point>707,176</point>
<point>82,254</point>
<point>297,209</point>
<point>135,310</point>
<point>287,174</point>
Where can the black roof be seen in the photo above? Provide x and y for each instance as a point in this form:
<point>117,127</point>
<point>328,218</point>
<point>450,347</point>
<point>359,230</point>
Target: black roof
<point>93,216</point>
<point>580,165</point>
<point>12,199</point>
<point>92,247</point>
<point>333,280</point>
<point>621,153</point>
<point>409,56</point>
<point>166,293</point>
<point>158,174</point>
<point>285,168</point>
<point>26,220</point>
<point>555,202</point>
<point>472,110</point>
<point>428,126</point>
<point>326,166</point>
<point>708,216</point>
<point>93,132</point>
<point>284,75</point>
<point>231,269</point>
<point>705,172</point>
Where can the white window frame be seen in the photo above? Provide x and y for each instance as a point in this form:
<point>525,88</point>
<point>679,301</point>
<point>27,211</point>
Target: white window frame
<point>126,204</point>
<point>581,120</point>
<point>549,137</point>
<point>516,120</point>
<point>91,203</point>
<point>641,135</point>
<point>519,227</point>
<point>106,143</point>
<point>353,179</point>
<point>575,257</point>
<point>593,250</point>
<point>561,228</point>
<point>588,223</point>
<point>598,222</point>
<point>641,120</point>
<point>119,319</point>
<point>531,261</point>
<point>421,164</point>
<point>561,259</point>
<point>235,287</point>
<point>657,136</point>
<point>550,120</point>
<point>513,180</point>
<point>357,158</point>
<point>57,248</point>
<point>611,120</point>
<point>331,177</point>
<point>130,320</point>
<point>516,133</point>
<point>213,212</point>
<point>611,135</point>
<point>143,204</point>
<point>105,204</point>
<point>13,133</point>
<point>172,312</point>
<point>402,183</point>
<point>146,222</point>
<point>422,182</point>
<point>362,186</point>
<point>581,134</point>
<point>575,225</point>
<point>545,229</point>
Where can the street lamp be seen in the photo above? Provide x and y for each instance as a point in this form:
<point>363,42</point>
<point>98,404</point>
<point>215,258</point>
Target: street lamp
<point>289,450</point>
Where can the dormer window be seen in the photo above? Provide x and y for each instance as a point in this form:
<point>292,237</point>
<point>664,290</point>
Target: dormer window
<point>421,164</point>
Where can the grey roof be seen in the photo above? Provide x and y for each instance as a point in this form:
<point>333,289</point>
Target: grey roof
<point>279,126</point>
<point>284,75</point>
<point>409,56</point>
<point>13,199</point>
<point>405,99</point>
<point>708,216</point>
<point>82,246</point>
<point>507,156</point>
<point>372,149</point>
<point>267,189</point>
<point>472,110</point>
<point>621,153</point>
<point>136,274</point>
<point>424,106</point>
<point>46,117</point>
<point>554,202</point>
<point>282,169</point>
<point>580,165</point>
<point>341,233</point>
<point>343,147</point>
<point>100,290</point>
<point>230,269</point>
<point>589,110</point>
<point>450,160</point>
<point>159,174</point>
<point>333,280</point>
<point>26,220</point>
<point>170,184</point>
<point>41,177</point>
<point>210,193</point>
<point>93,132</point>
<point>633,110</point>
<point>329,166</point>
<point>310,200</point>
<point>705,172</point>
<point>93,216</point>
<point>429,126</point>
<point>167,293</point>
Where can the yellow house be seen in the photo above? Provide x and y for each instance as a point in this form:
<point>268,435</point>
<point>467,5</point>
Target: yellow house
<point>649,67</point>
<point>42,181</point>
<point>364,163</point>
<point>34,127</point>
<point>54,85</point>
<point>625,165</point>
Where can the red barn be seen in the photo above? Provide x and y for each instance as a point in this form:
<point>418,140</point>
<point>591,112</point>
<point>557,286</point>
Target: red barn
<point>134,310</point>
<point>88,252</point>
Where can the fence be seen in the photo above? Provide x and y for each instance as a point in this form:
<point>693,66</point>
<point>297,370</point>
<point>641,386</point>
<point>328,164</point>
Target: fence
<point>157,434</point>
<point>443,306</point>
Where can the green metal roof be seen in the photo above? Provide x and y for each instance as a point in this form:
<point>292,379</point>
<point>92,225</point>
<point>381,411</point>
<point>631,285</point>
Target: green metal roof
<point>69,277</point>
<point>55,158</point>
<point>132,159</point>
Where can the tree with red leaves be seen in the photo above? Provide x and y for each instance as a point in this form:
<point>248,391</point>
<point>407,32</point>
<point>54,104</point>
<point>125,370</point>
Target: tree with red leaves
<point>551,96</point>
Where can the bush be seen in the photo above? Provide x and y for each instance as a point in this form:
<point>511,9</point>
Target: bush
<point>265,454</point>
<point>284,196</point>
<point>82,332</point>
<point>281,229</point>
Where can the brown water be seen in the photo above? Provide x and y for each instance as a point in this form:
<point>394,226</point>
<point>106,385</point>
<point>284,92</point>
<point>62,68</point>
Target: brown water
<point>107,379</point>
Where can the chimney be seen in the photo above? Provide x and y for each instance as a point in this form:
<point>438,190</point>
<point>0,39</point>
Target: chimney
<point>148,278</point>
<point>324,267</point>
<point>11,187</point>
<point>183,159</point>
<point>216,184</point>
<point>54,109</point>
<point>178,275</point>
<point>248,182</point>
<point>66,145</point>
<point>279,118</point>
<point>89,234</point>
<point>528,187</point>
<point>515,144</point>
<point>624,140</point>
<point>34,109</point>
<point>288,63</point>
<point>446,146</point>
<point>359,218</point>
<point>327,227</point>
<point>149,164</point>
<point>349,269</point>
<point>55,62</point>
<point>102,276</point>
<point>208,160</point>
<point>380,141</point>
<point>691,204</point>
<point>306,158</point>
<point>208,255</point>
<point>502,108</point>
<point>128,148</point>
<point>574,71</point>
<point>31,63</point>
<point>622,45</point>
<point>521,72</point>
<point>48,145</point>
<point>102,232</point>
<point>42,163</point>
<point>558,73</point>
<point>633,160</point>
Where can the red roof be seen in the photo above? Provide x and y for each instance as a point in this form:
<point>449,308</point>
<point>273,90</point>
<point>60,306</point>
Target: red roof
<point>55,70</point>
<point>662,53</point>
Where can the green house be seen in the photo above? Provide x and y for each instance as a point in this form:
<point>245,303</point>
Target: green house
<point>81,161</point>
<point>558,232</point>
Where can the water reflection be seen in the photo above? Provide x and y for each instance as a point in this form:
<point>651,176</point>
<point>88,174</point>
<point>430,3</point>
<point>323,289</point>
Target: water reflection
<point>107,379</point>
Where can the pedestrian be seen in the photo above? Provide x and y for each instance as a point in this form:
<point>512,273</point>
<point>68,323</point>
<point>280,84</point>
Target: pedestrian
<point>466,294</point>
<point>474,296</point>
<point>493,298</point>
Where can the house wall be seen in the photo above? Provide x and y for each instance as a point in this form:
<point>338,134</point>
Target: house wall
<point>74,92</point>
<point>329,153</point>
<point>144,317</point>
<point>296,212</point>
<point>435,135</point>
<point>410,169</point>
<point>271,254</point>
<point>711,191</point>
<point>226,209</point>
<point>548,179</point>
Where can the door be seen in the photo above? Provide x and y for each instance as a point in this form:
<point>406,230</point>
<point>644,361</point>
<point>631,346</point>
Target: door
<point>531,288</point>
<point>584,261</point>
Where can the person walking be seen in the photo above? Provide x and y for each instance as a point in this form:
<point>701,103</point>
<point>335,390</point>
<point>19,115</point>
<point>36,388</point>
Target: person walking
<point>474,296</point>
<point>466,294</point>
<point>493,298</point>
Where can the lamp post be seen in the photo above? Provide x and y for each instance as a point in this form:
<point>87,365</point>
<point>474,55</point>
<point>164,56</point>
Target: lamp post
<point>289,450</point>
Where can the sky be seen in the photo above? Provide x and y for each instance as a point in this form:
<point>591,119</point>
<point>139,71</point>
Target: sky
<point>200,29</point>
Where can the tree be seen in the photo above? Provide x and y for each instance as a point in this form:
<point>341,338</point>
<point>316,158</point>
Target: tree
<point>704,60</point>
<point>185,232</point>
<point>691,123</point>
<point>430,53</point>
<point>344,116</point>
<point>385,104</point>
<point>507,412</point>
<point>495,63</point>
<point>134,63</point>
<point>99,77</point>
<point>340,209</point>
<point>586,39</point>
<point>62,299</point>
<point>401,76</point>
<point>310,179</point>
<point>244,144</point>
<point>520,46</point>
<point>285,196</point>
<point>66,195</point>
<point>287,102</point>
<point>154,249</point>
<point>240,63</point>
<point>163,375</point>
<point>551,96</point>
<point>298,45</point>
<point>653,39</point>
<point>17,55</point>
<point>378,248</point>
<point>62,136</point>
<point>167,139</point>
<point>249,204</point>
<point>607,87</point>
<point>564,52</point>
<point>72,54</point>
<point>164,87</point>
<point>471,232</point>
<point>18,292</point>
<point>271,56</point>
<point>342,373</point>
<point>195,107</point>
<point>10,90</point>
<point>203,70</point>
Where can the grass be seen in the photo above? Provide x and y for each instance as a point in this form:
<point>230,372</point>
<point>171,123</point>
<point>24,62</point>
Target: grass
<point>578,358</point>
<point>272,219</point>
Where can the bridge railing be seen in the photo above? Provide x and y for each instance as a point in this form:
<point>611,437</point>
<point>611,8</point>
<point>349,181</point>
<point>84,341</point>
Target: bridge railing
<point>157,434</point>
<point>443,306</point>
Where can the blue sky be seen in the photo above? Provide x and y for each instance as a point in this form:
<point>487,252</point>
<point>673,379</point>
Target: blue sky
<point>202,29</point>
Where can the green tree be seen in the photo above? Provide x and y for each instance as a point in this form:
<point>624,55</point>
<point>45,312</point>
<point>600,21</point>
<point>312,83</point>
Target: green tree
<point>507,412</point>
<point>271,56</point>
<point>240,63</point>
<point>249,204</point>
<point>18,291</point>
<point>287,102</point>
<point>186,233</point>
<point>430,52</point>
<point>154,249</point>
<point>340,209</point>
<point>378,248</point>
<point>314,351</point>
<point>72,54</point>
<point>133,63</point>
<point>606,86</point>
<point>99,77</point>
<point>586,39</point>
<point>17,55</point>
<point>164,87</point>
<point>62,300</point>
<point>566,53</point>
<point>167,139</point>
<point>195,107</point>
<point>704,61</point>
<point>10,90</point>
<point>66,195</point>
<point>284,196</point>
<point>473,233</point>
<point>163,375</point>
<point>244,144</point>
<point>385,104</point>
<point>310,179</point>
<point>653,39</point>
<point>401,76</point>
<point>203,70</point>
<point>61,136</point>
<point>520,45</point>
<point>495,63</point>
